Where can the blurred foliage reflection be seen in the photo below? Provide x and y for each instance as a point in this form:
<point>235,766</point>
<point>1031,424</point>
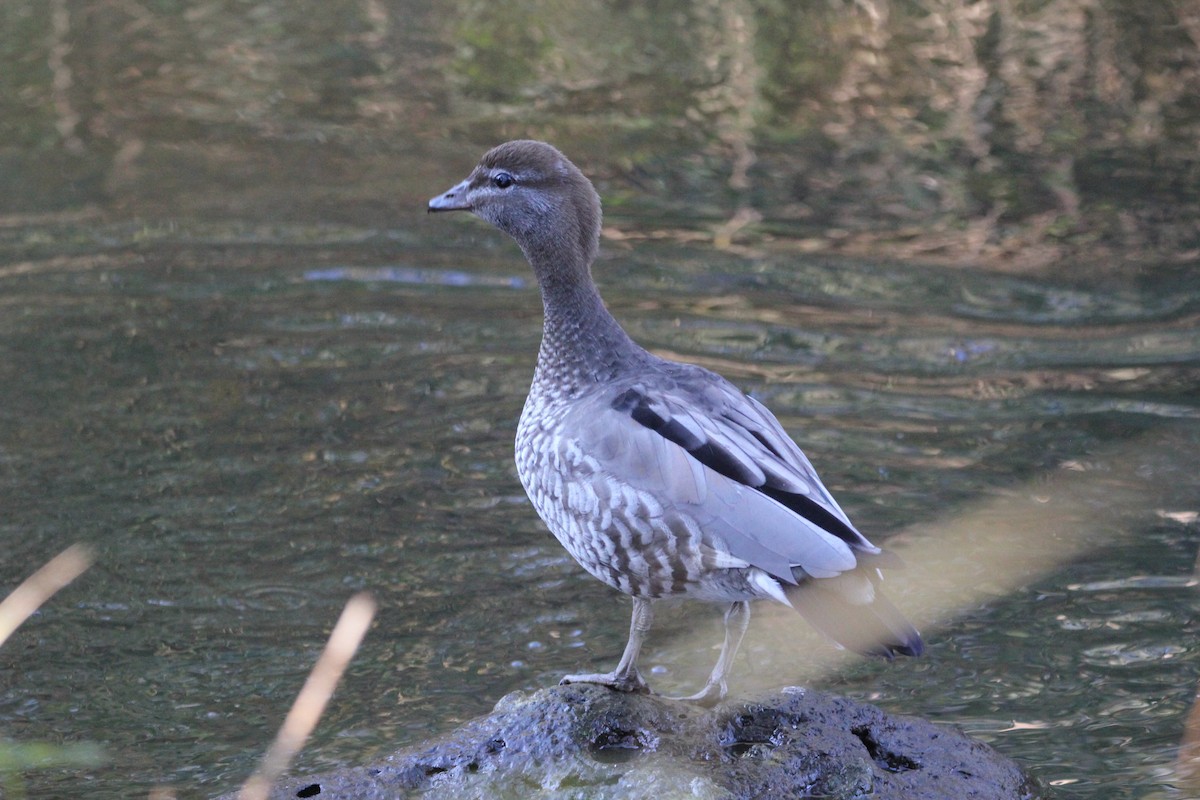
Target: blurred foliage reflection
<point>1016,133</point>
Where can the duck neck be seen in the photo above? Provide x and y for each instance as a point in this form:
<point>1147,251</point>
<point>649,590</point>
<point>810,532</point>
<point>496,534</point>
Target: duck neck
<point>582,344</point>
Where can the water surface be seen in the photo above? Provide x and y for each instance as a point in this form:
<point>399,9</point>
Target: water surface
<point>250,432</point>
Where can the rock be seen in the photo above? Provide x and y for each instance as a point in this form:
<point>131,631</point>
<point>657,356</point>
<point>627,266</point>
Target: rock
<point>587,742</point>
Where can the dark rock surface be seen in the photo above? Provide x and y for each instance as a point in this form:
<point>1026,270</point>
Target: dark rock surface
<point>589,742</point>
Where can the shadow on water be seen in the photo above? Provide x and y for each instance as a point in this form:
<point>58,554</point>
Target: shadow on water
<point>239,361</point>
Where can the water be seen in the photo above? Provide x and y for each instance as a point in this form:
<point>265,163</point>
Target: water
<point>251,434</point>
<point>238,359</point>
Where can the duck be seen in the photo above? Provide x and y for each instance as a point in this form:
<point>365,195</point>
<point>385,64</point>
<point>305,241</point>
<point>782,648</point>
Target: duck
<point>661,478</point>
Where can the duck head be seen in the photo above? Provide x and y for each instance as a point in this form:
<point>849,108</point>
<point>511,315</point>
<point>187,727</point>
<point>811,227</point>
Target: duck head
<point>532,192</point>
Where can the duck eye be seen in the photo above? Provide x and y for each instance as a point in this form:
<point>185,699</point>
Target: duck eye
<point>503,180</point>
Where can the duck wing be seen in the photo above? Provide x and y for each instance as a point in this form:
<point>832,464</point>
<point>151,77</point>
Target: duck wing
<point>705,450</point>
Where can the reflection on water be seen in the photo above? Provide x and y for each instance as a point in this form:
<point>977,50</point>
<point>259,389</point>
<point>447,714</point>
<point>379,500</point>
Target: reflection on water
<point>411,275</point>
<point>250,434</point>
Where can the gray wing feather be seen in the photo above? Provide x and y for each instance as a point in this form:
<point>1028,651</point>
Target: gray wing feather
<point>734,517</point>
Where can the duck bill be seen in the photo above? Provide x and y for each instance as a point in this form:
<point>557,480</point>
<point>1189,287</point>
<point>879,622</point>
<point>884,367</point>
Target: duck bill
<point>454,199</point>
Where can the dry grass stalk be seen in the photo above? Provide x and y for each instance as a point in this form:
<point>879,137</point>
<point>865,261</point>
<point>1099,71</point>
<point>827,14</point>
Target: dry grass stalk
<point>310,703</point>
<point>39,587</point>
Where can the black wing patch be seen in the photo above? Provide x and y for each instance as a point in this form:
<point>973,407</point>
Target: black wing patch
<point>637,405</point>
<point>815,513</point>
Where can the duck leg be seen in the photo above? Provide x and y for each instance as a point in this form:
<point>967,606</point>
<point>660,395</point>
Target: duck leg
<point>737,619</point>
<point>626,678</point>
